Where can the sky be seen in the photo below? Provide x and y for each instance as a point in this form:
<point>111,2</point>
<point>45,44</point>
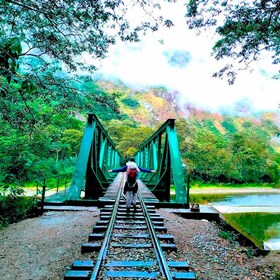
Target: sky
<point>183,63</point>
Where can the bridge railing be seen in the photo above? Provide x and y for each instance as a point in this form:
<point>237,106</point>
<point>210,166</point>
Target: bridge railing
<point>161,152</point>
<point>97,154</point>
<point>47,186</point>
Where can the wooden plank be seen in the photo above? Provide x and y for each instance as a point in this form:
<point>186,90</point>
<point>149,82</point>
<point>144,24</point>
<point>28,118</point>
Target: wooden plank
<point>166,237</point>
<point>77,274</point>
<point>95,236</point>
<point>90,247</point>
<point>179,265</point>
<point>168,246</point>
<point>184,275</point>
<point>82,265</point>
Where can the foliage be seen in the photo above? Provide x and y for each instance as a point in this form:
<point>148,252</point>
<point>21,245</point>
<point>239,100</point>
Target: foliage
<point>40,128</point>
<point>100,100</point>
<point>208,123</point>
<point>42,132</point>
<point>14,206</point>
<point>39,152</point>
<point>226,235</point>
<point>65,30</point>
<point>40,42</point>
<point>229,126</point>
<point>130,102</point>
<point>237,156</point>
<point>245,29</point>
<point>127,138</point>
<point>46,40</point>
<point>43,107</point>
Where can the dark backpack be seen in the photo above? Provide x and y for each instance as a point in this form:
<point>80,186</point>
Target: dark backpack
<point>131,175</point>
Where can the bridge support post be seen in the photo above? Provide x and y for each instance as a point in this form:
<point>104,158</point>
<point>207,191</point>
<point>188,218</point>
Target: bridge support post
<point>176,164</point>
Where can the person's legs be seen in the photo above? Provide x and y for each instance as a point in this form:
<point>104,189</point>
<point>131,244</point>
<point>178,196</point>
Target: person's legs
<point>134,197</point>
<point>128,199</point>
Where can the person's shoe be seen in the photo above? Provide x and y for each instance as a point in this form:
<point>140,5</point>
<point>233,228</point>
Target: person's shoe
<point>127,209</point>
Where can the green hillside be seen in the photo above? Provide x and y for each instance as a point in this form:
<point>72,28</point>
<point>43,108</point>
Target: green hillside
<point>215,147</point>
<point>42,131</point>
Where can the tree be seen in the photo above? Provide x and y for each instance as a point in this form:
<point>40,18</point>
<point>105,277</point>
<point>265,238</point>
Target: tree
<point>127,136</point>
<point>239,155</point>
<point>208,156</point>
<point>43,43</point>
<point>246,29</point>
<point>65,30</point>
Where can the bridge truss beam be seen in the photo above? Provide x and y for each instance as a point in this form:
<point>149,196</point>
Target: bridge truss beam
<point>161,152</point>
<point>97,154</point>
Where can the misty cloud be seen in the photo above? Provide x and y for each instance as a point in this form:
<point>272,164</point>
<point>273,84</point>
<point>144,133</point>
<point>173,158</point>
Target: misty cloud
<point>184,63</point>
<point>178,58</point>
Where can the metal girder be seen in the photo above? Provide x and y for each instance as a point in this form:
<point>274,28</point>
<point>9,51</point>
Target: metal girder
<point>161,152</point>
<point>97,154</point>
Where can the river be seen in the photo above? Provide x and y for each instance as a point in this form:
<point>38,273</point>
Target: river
<point>267,199</point>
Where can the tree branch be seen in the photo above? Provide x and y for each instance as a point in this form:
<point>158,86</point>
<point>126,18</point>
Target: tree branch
<point>25,6</point>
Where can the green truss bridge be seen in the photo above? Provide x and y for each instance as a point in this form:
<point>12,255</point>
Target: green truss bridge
<point>98,154</point>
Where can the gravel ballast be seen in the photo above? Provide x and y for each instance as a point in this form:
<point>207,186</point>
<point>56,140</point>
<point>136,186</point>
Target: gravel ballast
<point>43,247</point>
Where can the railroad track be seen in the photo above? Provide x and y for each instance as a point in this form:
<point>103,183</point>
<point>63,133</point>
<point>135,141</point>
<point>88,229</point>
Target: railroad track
<point>129,245</point>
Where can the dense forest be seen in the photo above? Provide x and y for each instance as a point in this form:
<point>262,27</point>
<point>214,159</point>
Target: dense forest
<point>41,133</point>
<point>45,98</point>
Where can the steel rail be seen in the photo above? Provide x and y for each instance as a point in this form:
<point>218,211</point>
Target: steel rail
<point>105,244</point>
<point>158,250</point>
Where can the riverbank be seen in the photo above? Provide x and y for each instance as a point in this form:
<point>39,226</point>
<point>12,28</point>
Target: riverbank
<point>250,203</point>
<point>228,190</point>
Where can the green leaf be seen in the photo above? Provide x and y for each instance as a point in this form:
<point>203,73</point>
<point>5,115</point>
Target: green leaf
<point>15,46</point>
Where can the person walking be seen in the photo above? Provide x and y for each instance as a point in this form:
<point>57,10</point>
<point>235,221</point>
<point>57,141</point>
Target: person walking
<point>131,185</point>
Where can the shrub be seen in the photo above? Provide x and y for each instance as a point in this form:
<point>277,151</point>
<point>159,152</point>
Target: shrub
<point>14,206</point>
<point>130,102</point>
<point>227,235</point>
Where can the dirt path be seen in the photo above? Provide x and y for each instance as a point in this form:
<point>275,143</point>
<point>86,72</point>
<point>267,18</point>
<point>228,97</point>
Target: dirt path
<point>41,248</point>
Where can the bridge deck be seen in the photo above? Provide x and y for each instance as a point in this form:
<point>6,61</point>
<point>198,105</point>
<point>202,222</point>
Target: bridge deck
<point>111,192</point>
<point>109,195</point>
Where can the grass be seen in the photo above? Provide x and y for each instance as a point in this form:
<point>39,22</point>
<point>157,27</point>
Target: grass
<point>204,199</point>
<point>261,226</point>
<point>206,186</point>
<point>52,183</point>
